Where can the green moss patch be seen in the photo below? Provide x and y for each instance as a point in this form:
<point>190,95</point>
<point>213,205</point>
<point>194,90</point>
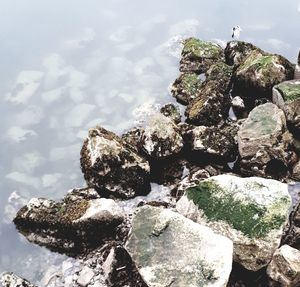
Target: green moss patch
<point>197,48</point>
<point>191,83</point>
<point>289,91</point>
<point>249,218</point>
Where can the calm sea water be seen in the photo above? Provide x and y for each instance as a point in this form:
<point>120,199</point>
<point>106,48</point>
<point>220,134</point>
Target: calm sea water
<point>69,65</point>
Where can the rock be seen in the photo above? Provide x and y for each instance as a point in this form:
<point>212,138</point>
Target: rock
<point>212,104</point>
<point>161,137</point>
<point>72,225</point>
<point>197,56</point>
<point>9,279</point>
<point>120,270</point>
<point>236,52</point>
<point>171,111</point>
<point>218,142</point>
<point>250,211</point>
<point>110,165</point>
<point>265,124</point>
<point>238,106</point>
<point>285,266</point>
<point>296,171</point>
<point>186,87</point>
<point>286,96</point>
<point>162,244</point>
<point>258,73</point>
<point>297,69</point>
<point>133,138</point>
<point>85,276</point>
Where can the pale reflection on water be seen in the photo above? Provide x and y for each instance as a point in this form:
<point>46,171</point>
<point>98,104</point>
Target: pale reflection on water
<point>67,66</point>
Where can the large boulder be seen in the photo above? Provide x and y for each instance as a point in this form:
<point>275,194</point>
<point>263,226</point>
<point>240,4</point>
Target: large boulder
<point>197,55</point>
<point>285,266</point>
<point>286,96</point>
<point>264,142</point>
<point>186,87</point>
<point>73,225</point>
<point>250,211</point>
<point>212,104</point>
<point>236,52</point>
<point>161,138</point>
<point>9,279</point>
<point>171,250</point>
<point>111,165</point>
<point>258,73</point>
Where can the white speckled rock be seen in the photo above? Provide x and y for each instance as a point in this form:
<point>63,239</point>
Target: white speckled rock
<point>285,266</point>
<point>171,250</point>
<point>85,276</point>
<point>9,279</point>
<point>250,211</point>
<point>109,163</point>
<point>161,137</point>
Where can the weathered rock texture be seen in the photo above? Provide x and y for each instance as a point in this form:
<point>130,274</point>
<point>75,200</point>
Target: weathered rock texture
<point>171,111</point>
<point>109,164</point>
<point>171,250</point>
<point>264,142</point>
<point>161,137</point>
<point>73,225</point>
<point>285,266</point>
<point>250,211</point>
<point>286,96</point>
<point>9,279</point>
<point>197,55</point>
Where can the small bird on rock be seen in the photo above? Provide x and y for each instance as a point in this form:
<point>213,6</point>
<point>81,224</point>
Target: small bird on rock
<point>236,32</point>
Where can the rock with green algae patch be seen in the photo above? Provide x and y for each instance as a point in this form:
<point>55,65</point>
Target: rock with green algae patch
<point>265,145</point>
<point>171,111</point>
<point>9,279</point>
<point>113,166</point>
<point>197,56</point>
<point>171,250</point>
<point>186,87</point>
<point>250,211</point>
<point>79,222</point>
<point>212,104</point>
<point>258,73</point>
<point>286,96</point>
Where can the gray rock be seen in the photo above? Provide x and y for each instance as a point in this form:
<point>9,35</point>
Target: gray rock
<point>286,96</point>
<point>285,266</point>
<point>112,166</point>
<point>250,211</point>
<point>197,55</point>
<point>171,250</point>
<point>85,276</point>
<point>161,137</point>
<point>72,225</point>
<point>9,279</point>
<point>265,124</point>
<point>238,106</point>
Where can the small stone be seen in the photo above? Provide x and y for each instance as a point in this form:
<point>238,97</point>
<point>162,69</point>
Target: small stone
<point>285,266</point>
<point>85,276</point>
<point>9,279</point>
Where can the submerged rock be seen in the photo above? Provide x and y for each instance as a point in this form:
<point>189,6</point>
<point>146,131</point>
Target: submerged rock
<point>9,279</point>
<point>258,73</point>
<point>212,104</point>
<point>197,55</point>
<point>161,137</point>
<point>112,166</point>
<point>285,266</point>
<point>286,96</point>
<point>72,225</point>
<point>250,211</point>
<point>236,52</point>
<point>171,250</point>
<point>264,142</point>
<point>186,87</point>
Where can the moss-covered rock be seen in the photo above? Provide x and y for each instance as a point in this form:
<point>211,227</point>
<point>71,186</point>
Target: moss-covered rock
<point>258,73</point>
<point>250,211</point>
<point>110,165</point>
<point>286,96</point>
<point>265,145</point>
<point>186,87</point>
<point>236,52</point>
<point>198,55</point>
<point>161,138</point>
<point>73,225</point>
<point>171,111</point>
<point>212,104</point>
<point>171,250</point>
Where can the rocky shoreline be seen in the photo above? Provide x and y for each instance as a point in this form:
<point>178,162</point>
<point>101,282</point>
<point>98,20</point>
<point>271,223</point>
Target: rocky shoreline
<point>227,218</point>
